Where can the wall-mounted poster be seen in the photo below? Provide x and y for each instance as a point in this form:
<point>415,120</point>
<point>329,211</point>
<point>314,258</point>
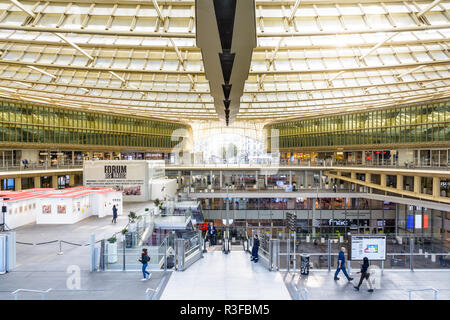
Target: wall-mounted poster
<point>20,209</point>
<point>132,191</point>
<point>46,209</point>
<point>61,209</point>
<point>372,247</point>
<point>34,205</point>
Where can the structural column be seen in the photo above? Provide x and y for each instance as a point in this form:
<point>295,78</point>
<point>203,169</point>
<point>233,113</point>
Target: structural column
<point>37,182</point>
<point>383,180</point>
<point>436,187</point>
<point>368,177</point>
<point>71,180</point>
<point>18,184</point>
<point>400,182</point>
<point>417,184</point>
<point>55,182</point>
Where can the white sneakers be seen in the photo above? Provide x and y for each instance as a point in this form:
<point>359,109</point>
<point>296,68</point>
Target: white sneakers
<point>148,277</point>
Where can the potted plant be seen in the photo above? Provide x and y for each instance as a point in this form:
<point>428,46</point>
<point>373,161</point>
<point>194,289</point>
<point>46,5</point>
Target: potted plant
<point>132,219</point>
<point>111,249</point>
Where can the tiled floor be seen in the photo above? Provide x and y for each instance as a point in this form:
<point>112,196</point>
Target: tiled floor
<point>226,276</point>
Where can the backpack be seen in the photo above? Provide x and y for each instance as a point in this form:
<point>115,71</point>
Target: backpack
<point>145,259</point>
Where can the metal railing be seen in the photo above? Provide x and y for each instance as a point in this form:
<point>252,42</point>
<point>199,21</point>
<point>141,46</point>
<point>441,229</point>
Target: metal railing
<point>188,251</point>
<point>298,293</point>
<point>152,294</point>
<point>42,292</point>
<point>35,166</point>
<point>410,291</point>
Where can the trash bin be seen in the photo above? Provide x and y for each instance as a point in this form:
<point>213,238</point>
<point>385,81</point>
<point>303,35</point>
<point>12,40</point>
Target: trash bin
<point>304,264</point>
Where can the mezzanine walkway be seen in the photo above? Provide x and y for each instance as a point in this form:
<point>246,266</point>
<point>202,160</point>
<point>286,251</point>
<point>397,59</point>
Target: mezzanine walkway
<point>221,276</point>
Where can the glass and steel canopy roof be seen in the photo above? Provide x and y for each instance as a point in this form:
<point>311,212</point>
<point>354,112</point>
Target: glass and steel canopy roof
<point>312,57</point>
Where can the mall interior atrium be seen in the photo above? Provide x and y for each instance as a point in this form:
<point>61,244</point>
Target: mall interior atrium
<point>314,131</point>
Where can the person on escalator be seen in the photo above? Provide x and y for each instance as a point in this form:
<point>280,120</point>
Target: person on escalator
<point>255,248</point>
<point>212,232</point>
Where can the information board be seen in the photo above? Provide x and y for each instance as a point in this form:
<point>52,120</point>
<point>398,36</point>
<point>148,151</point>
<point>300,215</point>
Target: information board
<point>372,247</point>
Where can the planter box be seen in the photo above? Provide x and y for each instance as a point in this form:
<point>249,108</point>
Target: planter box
<point>111,251</point>
<point>132,227</point>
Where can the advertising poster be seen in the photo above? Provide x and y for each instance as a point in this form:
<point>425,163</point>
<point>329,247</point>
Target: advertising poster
<point>126,176</point>
<point>372,247</point>
<point>46,209</point>
<point>61,209</point>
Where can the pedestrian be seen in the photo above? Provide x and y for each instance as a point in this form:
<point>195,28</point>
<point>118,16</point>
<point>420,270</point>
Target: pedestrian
<point>341,265</point>
<point>212,232</point>
<point>114,210</point>
<point>334,188</point>
<point>365,274</point>
<point>144,260</point>
<point>255,248</point>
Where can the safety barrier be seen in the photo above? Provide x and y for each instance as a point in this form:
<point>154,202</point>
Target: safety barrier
<point>185,258</point>
<point>427,289</point>
<point>42,292</point>
<point>298,293</point>
<point>155,292</point>
<point>60,252</point>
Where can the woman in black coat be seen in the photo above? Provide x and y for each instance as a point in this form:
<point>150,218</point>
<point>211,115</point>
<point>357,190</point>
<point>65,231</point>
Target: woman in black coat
<point>255,248</point>
<point>365,274</point>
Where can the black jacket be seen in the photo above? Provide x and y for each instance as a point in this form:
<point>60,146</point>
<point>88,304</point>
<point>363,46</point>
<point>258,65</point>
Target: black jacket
<point>256,243</point>
<point>214,230</point>
<point>144,259</point>
<point>365,266</point>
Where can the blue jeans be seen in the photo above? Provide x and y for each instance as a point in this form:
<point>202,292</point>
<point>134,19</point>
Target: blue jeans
<point>343,270</point>
<point>145,272</point>
<point>255,253</point>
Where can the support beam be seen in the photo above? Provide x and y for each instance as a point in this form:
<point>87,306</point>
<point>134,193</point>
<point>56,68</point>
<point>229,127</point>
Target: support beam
<point>22,7</point>
<point>383,178</point>
<point>55,182</point>
<point>18,184</point>
<point>71,180</point>
<point>429,7</point>
<point>75,46</point>
<point>42,71</point>
<point>379,44</point>
<point>436,187</point>
<point>37,182</point>
<point>294,10</point>
<point>417,184</point>
<point>400,182</point>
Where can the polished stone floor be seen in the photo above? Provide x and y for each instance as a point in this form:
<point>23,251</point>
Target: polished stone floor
<point>391,285</point>
<point>40,267</point>
<point>221,276</point>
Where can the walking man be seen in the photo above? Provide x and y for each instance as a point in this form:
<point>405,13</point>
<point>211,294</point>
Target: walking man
<point>341,265</point>
<point>114,210</point>
<point>255,248</point>
<point>212,234</point>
